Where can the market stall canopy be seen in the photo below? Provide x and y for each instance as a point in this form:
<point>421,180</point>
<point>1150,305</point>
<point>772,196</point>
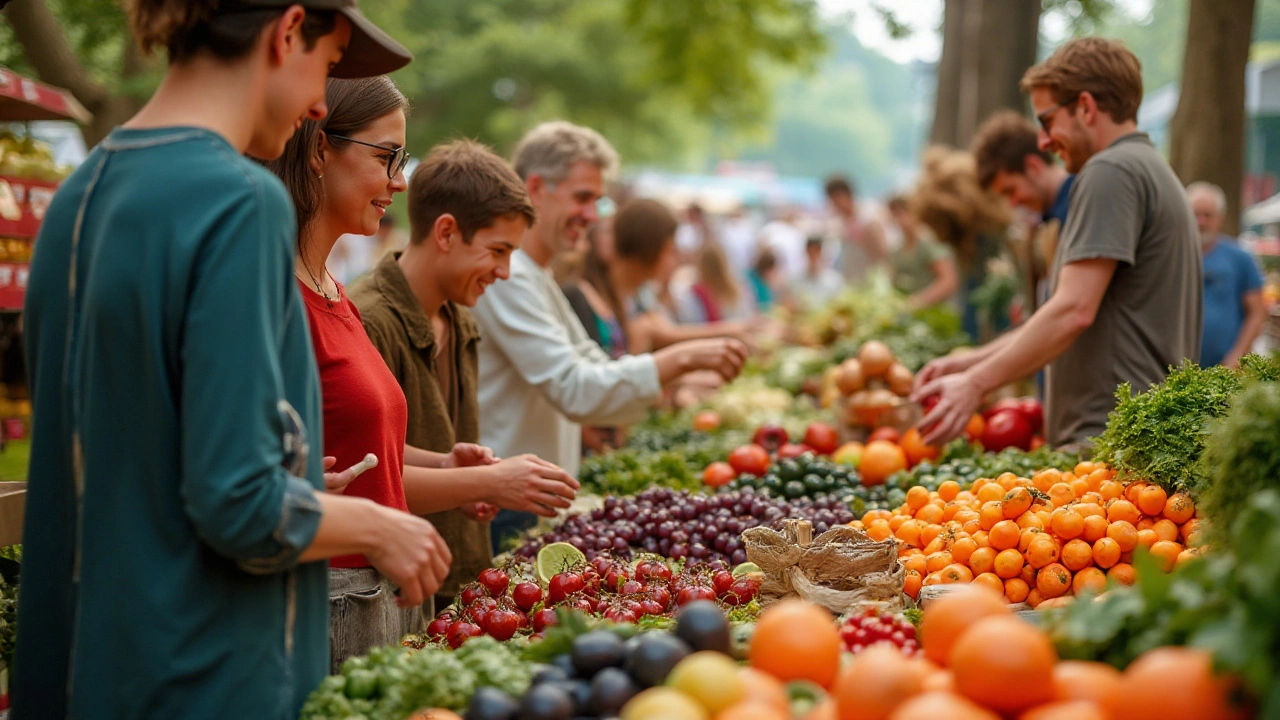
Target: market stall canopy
<point>23,100</point>
<point>1266,212</point>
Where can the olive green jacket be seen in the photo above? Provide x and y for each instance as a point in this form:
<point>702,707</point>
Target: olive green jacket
<point>402,333</point>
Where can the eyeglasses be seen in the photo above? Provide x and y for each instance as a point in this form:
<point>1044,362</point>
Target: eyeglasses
<point>397,162</point>
<point>1043,117</point>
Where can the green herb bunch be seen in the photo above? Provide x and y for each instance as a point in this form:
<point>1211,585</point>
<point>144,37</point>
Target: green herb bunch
<point>1241,457</point>
<point>1159,435</point>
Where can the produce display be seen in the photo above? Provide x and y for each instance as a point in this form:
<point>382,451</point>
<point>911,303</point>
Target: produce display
<point>661,521</point>
<point>873,387</point>
<point>25,157</point>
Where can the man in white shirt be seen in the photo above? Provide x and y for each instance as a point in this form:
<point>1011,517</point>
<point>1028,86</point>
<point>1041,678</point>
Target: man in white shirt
<point>541,375</point>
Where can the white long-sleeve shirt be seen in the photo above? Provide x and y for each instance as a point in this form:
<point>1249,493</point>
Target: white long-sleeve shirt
<point>541,375</point>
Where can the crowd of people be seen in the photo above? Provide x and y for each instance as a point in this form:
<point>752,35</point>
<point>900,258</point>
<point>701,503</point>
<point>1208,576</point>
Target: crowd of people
<point>216,416</point>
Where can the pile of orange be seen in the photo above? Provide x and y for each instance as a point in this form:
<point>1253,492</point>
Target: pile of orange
<point>1036,540</point>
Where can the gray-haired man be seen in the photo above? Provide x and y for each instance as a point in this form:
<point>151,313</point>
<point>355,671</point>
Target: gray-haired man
<point>541,375</point>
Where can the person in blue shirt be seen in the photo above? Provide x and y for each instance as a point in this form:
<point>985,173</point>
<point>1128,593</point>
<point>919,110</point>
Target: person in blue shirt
<point>175,531</point>
<point>1234,309</point>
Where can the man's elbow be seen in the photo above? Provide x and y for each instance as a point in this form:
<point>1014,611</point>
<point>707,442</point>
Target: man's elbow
<point>1080,317</point>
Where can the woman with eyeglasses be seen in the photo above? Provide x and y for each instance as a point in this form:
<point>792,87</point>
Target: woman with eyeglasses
<point>343,172</point>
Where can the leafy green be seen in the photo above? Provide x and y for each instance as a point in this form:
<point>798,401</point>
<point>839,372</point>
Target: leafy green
<point>1241,457</point>
<point>631,471</point>
<point>390,683</point>
<point>1227,602</point>
<point>8,621</point>
<point>1159,435</point>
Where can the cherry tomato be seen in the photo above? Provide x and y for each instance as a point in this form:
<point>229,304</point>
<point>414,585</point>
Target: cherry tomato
<point>718,474</point>
<point>751,458</point>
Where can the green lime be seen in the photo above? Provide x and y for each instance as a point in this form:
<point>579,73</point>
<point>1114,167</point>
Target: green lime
<point>744,569</point>
<point>555,559</point>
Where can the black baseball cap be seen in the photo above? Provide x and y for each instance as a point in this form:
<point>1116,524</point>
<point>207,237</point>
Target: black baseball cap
<point>371,51</point>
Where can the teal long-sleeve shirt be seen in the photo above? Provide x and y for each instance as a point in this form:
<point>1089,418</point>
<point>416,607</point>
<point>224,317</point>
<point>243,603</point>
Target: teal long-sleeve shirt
<point>167,349</point>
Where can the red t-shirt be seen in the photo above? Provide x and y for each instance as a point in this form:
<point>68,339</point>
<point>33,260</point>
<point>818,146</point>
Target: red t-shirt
<point>364,407</point>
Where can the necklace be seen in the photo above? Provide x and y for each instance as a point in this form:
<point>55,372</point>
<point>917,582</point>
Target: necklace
<point>314,281</point>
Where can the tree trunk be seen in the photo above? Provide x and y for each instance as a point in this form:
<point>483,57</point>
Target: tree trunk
<point>987,45</point>
<point>1207,133</point>
<point>46,48</point>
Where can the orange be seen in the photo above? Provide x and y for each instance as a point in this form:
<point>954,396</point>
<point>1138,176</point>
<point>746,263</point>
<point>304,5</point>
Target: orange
<point>1146,523</point>
<point>1061,494</point>
<point>1187,556</point>
<point>1082,680</point>
<point>1179,508</point>
<point>956,573</point>
<point>1147,538</point>
<point>796,640</point>
<point>1042,551</point>
<point>1004,535</point>
<point>916,563</point>
<point>950,616</point>
<point>928,533</point>
<point>975,426</point>
<point>880,459</point>
<point>982,560</point>
<point>937,705</point>
<point>1008,563</point>
<point>1190,531</point>
<point>1092,498</point>
<point>897,521</point>
<point>434,714</point>
<point>982,538</point>
<point>1070,710</point>
<point>1166,553</point>
<point>1028,575</point>
<point>951,509</point>
<point>751,710</point>
<point>1066,523</point>
<point>990,492</point>
<point>875,682</point>
<point>825,710</point>
<point>1008,481</point>
<point>991,581</point>
<point>917,497</point>
<point>1097,478</point>
<point>1095,528</point>
<point>1077,555</point>
<point>962,550</point>
<point>1046,479</point>
<point>990,513</point>
<point>909,532</point>
<point>1110,490</point>
<point>1172,683</point>
<point>912,583</point>
<point>1087,509</point>
<point>1016,502</point>
<point>939,681</point>
<point>949,490</point>
<point>1016,590</point>
<point>1165,529</point>
<point>931,514</point>
<point>1123,510</point>
<point>1090,579</point>
<point>1024,539</point>
<point>1004,664</point>
<point>1079,486</point>
<point>762,688</point>
<point>1034,598</point>
<point>1053,580</point>
<point>1106,552</point>
<point>1084,467</point>
<point>1125,535</point>
<point>1123,573</point>
<point>1029,520</point>
<point>1151,500</point>
<point>879,530</point>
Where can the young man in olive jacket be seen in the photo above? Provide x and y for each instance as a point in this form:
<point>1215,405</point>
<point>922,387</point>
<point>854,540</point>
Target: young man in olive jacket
<point>467,213</point>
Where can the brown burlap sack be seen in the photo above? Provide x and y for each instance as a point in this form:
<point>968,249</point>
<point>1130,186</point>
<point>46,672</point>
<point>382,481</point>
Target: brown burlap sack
<point>843,570</point>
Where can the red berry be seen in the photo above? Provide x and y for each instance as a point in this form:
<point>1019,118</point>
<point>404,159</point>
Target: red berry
<point>563,585</point>
<point>461,632</point>
<point>689,594</point>
<point>495,581</point>
<point>471,593</point>
<point>501,624</point>
<point>543,619</point>
<point>526,595</point>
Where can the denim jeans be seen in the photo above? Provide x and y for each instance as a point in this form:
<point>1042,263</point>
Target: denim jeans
<point>363,614</point>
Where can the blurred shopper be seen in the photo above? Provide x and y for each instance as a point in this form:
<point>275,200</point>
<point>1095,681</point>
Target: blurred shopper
<point>693,233</point>
<point>716,295</point>
<point>175,527</point>
<point>467,214</point>
<point>765,280</point>
<point>818,283</point>
<point>1012,164</point>
<point>541,375</point>
<point>1234,309</point>
<point>923,268</point>
<point>739,238</point>
<point>390,237</point>
<point>1126,279</point>
<point>862,243</point>
<point>784,237</point>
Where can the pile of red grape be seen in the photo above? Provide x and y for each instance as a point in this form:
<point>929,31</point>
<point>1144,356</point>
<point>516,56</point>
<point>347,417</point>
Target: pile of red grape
<point>503,606</point>
<point>874,627</point>
<point>686,526</point>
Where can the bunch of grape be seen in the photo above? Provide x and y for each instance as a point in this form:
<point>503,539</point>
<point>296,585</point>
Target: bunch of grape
<point>686,526</point>
<point>873,627</point>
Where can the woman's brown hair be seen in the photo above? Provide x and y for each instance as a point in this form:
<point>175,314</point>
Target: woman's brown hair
<point>642,230</point>
<point>353,106</point>
<point>714,273</point>
<point>227,30</point>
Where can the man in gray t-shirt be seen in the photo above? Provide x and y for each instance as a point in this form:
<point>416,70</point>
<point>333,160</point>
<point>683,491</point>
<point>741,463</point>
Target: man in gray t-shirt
<point>1125,300</point>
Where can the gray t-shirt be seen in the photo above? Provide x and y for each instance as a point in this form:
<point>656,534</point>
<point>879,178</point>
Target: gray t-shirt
<point>1126,205</point>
